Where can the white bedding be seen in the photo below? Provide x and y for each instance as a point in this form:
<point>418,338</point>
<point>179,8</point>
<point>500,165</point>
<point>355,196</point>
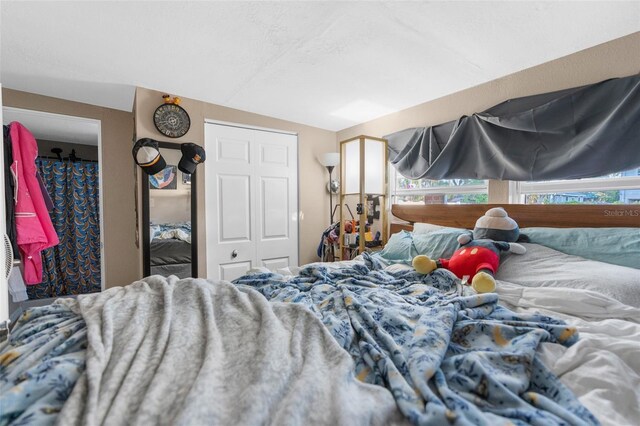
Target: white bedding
<point>601,300</point>
<point>541,266</point>
<point>603,367</point>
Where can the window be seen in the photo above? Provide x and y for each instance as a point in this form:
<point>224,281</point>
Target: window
<point>616,188</point>
<point>426,191</point>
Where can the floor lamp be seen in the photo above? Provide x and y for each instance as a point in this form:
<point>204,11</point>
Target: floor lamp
<point>363,165</point>
<point>330,160</point>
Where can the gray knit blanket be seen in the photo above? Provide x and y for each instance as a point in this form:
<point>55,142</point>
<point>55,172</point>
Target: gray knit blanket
<point>195,352</point>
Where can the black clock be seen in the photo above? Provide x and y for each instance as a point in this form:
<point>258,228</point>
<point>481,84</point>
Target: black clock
<point>171,120</point>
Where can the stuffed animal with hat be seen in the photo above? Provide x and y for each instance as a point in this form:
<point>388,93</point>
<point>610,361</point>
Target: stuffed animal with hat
<point>479,255</point>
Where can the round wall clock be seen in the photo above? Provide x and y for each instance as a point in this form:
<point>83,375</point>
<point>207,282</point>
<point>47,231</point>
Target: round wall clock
<point>171,120</point>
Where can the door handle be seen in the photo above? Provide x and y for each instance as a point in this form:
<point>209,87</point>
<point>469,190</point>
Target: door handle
<point>234,254</point>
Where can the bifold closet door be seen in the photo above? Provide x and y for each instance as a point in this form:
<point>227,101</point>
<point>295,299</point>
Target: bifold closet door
<point>251,200</point>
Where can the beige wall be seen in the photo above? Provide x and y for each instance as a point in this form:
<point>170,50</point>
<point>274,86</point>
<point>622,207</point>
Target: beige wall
<point>617,58</point>
<point>122,264</point>
<point>313,196</point>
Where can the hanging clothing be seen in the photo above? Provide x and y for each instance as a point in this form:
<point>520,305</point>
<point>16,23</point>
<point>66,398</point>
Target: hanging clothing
<point>73,266</point>
<point>34,229</point>
<point>9,191</point>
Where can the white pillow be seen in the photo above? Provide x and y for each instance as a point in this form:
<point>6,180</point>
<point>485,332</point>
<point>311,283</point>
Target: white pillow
<point>426,228</point>
<point>542,266</point>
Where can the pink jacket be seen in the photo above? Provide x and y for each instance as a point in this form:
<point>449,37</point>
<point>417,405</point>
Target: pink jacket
<point>34,229</point>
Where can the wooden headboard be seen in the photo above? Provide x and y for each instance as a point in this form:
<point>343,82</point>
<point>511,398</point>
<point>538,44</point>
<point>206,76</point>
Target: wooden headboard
<point>526,215</point>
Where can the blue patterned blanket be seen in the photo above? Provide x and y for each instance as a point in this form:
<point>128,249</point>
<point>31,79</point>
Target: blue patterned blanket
<point>447,358</point>
<point>40,365</point>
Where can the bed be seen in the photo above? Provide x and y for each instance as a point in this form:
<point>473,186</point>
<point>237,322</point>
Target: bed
<point>170,257</point>
<point>170,249</point>
<point>358,342</point>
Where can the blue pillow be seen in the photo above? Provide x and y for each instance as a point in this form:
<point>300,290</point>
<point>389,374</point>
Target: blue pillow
<point>618,246</point>
<point>398,248</point>
<point>438,244</point>
<point>404,246</point>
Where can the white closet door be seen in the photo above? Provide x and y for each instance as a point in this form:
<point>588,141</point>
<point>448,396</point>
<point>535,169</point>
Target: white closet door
<point>251,200</point>
<point>277,200</point>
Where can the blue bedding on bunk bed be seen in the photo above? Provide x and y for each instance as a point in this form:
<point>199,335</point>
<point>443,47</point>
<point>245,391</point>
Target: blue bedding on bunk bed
<point>446,357</point>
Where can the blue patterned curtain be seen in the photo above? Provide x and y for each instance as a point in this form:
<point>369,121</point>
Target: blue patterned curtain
<point>73,266</point>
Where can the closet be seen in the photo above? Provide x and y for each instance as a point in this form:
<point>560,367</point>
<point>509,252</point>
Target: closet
<point>251,199</point>
<point>67,205</point>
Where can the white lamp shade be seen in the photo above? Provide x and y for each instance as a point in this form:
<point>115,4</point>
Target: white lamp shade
<point>330,159</point>
<point>374,164</point>
<point>351,167</point>
<point>374,167</point>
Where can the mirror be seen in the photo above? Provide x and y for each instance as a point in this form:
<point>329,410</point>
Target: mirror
<point>169,219</point>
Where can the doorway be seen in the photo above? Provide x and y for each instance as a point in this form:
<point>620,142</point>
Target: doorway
<point>69,164</point>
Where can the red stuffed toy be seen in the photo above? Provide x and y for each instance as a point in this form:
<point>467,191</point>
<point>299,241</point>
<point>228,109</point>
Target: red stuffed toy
<point>478,257</point>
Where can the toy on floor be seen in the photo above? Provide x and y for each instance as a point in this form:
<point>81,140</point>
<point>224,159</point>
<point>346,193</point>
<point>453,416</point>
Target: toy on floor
<point>479,255</point>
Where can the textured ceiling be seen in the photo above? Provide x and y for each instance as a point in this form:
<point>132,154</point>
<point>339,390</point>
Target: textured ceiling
<point>304,62</point>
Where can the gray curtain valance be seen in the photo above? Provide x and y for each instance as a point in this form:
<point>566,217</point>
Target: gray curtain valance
<point>576,133</point>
